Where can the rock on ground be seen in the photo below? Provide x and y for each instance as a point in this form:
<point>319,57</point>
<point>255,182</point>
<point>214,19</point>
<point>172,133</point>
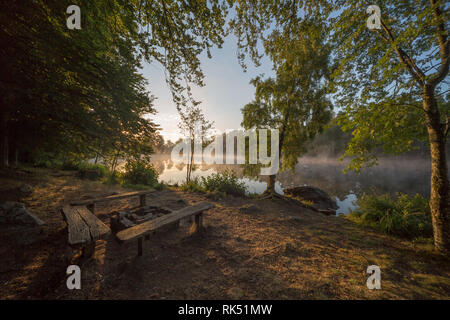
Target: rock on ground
<point>21,226</point>
<point>320,199</point>
<point>16,213</point>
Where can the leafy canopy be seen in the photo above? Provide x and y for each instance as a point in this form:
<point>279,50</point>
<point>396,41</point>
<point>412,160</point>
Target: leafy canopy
<point>377,75</point>
<point>294,102</point>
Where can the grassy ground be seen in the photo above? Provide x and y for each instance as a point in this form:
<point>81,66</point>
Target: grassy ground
<point>279,251</point>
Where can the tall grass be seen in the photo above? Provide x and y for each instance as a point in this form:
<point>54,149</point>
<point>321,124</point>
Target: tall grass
<point>223,182</point>
<point>405,216</point>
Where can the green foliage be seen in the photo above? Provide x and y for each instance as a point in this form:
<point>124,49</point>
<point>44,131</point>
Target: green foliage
<point>406,216</point>
<point>226,181</point>
<point>160,186</point>
<point>377,77</point>
<point>138,172</point>
<point>295,101</point>
<point>81,91</point>
<point>332,142</point>
<point>390,82</point>
<point>217,183</point>
<point>49,160</point>
<point>113,178</point>
<point>193,185</point>
<point>92,171</point>
<point>67,165</point>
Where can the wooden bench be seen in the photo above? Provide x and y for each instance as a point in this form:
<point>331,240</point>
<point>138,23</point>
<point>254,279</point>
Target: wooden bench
<point>90,203</point>
<point>84,228</point>
<point>145,229</point>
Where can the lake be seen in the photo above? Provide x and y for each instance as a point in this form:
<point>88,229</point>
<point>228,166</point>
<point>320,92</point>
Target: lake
<point>390,176</point>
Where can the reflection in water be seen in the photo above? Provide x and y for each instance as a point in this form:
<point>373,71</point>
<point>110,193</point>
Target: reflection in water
<point>390,176</point>
<point>349,203</point>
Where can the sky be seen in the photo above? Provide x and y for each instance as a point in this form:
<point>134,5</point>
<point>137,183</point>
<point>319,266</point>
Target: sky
<point>227,89</point>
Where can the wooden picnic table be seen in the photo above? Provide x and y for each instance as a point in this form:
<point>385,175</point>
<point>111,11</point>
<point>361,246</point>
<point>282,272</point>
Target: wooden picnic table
<point>84,228</point>
<point>141,231</point>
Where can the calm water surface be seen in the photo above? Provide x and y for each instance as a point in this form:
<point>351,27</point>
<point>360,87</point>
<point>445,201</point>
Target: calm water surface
<point>390,176</point>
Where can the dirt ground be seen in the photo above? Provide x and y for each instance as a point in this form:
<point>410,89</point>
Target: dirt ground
<point>278,251</point>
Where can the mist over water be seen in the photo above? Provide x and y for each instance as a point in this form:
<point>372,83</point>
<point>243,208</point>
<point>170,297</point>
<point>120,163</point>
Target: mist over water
<point>391,175</point>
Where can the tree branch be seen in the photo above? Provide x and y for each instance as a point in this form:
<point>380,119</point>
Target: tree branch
<point>406,60</point>
<point>443,46</point>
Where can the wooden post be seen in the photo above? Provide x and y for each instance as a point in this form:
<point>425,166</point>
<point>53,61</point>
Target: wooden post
<point>91,207</point>
<point>88,250</point>
<point>142,200</point>
<point>197,225</point>
<point>140,247</point>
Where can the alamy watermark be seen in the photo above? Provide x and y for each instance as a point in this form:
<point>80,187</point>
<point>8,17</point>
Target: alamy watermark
<point>74,279</point>
<point>374,20</point>
<point>74,20</point>
<point>258,149</point>
<point>374,280</point>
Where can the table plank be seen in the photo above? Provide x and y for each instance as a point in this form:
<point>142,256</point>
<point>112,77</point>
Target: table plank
<point>152,225</point>
<point>77,228</point>
<point>96,227</point>
<point>111,198</point>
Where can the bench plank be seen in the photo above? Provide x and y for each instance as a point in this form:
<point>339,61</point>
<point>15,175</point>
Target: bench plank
<point>77,228</point>
<point>152,225</point>
<point>113,197</point>
<point>96,227</point>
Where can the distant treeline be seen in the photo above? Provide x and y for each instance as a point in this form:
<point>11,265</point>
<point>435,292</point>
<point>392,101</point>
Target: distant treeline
<point>332,142</point>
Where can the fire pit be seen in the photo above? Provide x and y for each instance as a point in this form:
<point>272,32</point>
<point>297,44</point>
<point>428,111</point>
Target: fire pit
<point>128,218</point>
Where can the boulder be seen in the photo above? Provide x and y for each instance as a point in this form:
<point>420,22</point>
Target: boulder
<point>19,224</point>
<point>319,198</point>
<point>16,213</point>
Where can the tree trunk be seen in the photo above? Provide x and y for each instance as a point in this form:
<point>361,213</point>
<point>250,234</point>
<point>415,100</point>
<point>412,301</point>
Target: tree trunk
<point>272,179</point>
<point>271,184</point>
<point>190,160</point>
<point>115,160</point>
<point>4,141</point>
<point>439,195</point>
<point>16,157</point>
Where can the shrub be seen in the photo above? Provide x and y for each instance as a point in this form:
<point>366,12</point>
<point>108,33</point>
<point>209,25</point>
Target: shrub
<point>194,185</point>
<point>70,165</point>
<point>226,181</point>
<point>113,178</point>
<point>218,183</point>
<point>92,171</point>
<point>140,173</point>
<point>406,216</point>
<point>160,186</point>
<point>47,160</point>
